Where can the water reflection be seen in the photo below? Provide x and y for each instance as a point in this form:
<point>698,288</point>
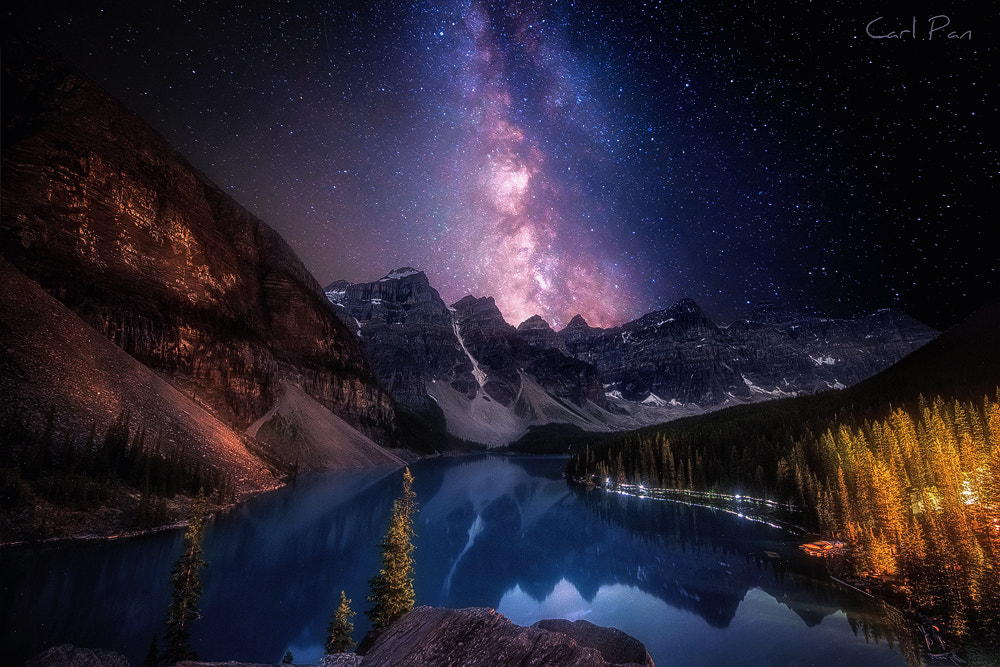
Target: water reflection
<point>519,539</point>
<point>507,533</point>
<point>758,635</point>
<point>276,567</point>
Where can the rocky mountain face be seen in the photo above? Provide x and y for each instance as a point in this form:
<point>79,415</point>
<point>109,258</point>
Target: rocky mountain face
<point>56,369</point>
<point>99,211</point>
<point>679,355</point>
<point>503,353</point>
<point>462,364</point>
<point>488,376</point>
<point>408,334</point>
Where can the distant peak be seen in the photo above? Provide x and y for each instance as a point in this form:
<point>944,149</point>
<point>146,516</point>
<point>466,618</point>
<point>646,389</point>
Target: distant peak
<point>686,305</point>
<point>577,321</point>
<point>466,301</point>
<point>404,272</point>
<point>534,323</point>
<point>337,286</point>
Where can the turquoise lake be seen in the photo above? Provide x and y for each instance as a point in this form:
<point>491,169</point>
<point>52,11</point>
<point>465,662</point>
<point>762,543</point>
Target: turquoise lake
<point>696,585</point>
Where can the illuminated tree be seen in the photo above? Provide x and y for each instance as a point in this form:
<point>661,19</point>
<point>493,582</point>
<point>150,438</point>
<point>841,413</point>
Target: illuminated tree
<point>392,588</point>
<point>338,639</point>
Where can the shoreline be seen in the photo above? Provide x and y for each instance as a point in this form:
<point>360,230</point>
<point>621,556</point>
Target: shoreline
<point>180,510</point>
<point>111,532</point>
<point>917,619</point>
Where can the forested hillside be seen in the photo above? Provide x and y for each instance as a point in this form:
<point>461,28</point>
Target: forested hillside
<point>909,482</point>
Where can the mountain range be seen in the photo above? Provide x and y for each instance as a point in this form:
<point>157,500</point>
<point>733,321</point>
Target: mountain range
<point>132,285</point>
<point>490,382</point>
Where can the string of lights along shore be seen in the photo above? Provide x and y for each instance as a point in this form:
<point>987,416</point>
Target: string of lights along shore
<point>598,158</point>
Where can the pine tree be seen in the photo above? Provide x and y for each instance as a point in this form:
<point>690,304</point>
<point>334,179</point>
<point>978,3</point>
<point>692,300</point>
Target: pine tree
<point>153,655</point>
<point>186,581</point>
<point>338,639</point>
<point>392,589</point>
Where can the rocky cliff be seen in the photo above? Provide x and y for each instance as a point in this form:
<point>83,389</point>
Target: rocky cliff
<point>147,317</point>
<point>464,365</point>
<point>680,356</point>
<point>116,225</point>
<point>492,381</point>
<point>503,352</point>
<point>407,332</point>
<point>55,369</point>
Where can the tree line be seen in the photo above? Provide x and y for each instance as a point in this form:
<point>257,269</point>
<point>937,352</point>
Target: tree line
<point>915,494</point>
<point>84,473</point>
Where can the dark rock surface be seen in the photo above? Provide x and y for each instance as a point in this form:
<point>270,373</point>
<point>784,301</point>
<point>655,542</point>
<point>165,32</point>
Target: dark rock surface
<point>412,338</point>
<point>340,660</point>
<point>666,364</point>
<point>535,331</point>
<point>109,219</point>
<point>407,332</point>
<point>67,655</point>
<point>502,351</point>
<point>478,637</point>
<point>679,354</point>
<point>616,646</point>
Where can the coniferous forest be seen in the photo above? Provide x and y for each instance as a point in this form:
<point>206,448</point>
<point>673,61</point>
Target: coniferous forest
<point>914,495</point>
<point>46,473</point>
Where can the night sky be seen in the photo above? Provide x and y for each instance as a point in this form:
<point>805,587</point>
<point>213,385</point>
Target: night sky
<point>586,157</point>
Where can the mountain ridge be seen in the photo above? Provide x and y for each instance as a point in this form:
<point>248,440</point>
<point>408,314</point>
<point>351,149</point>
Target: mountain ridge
<point>110,219</point>
<point>209,314</point>
<point>668,363</point>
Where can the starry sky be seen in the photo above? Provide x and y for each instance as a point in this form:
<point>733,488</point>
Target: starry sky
<point>601,158</point>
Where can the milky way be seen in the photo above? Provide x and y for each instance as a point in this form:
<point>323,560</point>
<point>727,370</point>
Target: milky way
<point>597,158</point>
<point>515,219</point>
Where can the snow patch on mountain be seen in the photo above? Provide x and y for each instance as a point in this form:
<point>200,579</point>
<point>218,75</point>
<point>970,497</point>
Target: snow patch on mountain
<point>775,393</point>
<point>653,399</point>
<point>477,372</point>
<point>823,361</point>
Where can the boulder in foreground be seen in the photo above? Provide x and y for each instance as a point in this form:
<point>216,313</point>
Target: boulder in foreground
<point>480,637</point>
<point>67,655</point>
<point>617,647</point>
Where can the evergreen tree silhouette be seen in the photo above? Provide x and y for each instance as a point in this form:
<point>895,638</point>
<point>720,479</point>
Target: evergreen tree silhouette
<point>185,578</point>
<point>339,638</point>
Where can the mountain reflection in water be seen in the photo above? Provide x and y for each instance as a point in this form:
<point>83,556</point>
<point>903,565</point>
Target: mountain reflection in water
<point>509,533</point>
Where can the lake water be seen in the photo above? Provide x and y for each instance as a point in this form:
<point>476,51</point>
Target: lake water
<point>693,584</point>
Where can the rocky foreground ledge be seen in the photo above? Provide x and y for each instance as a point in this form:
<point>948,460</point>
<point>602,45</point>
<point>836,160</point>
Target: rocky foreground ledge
<point>479,637</point>
<point>435,637</point>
